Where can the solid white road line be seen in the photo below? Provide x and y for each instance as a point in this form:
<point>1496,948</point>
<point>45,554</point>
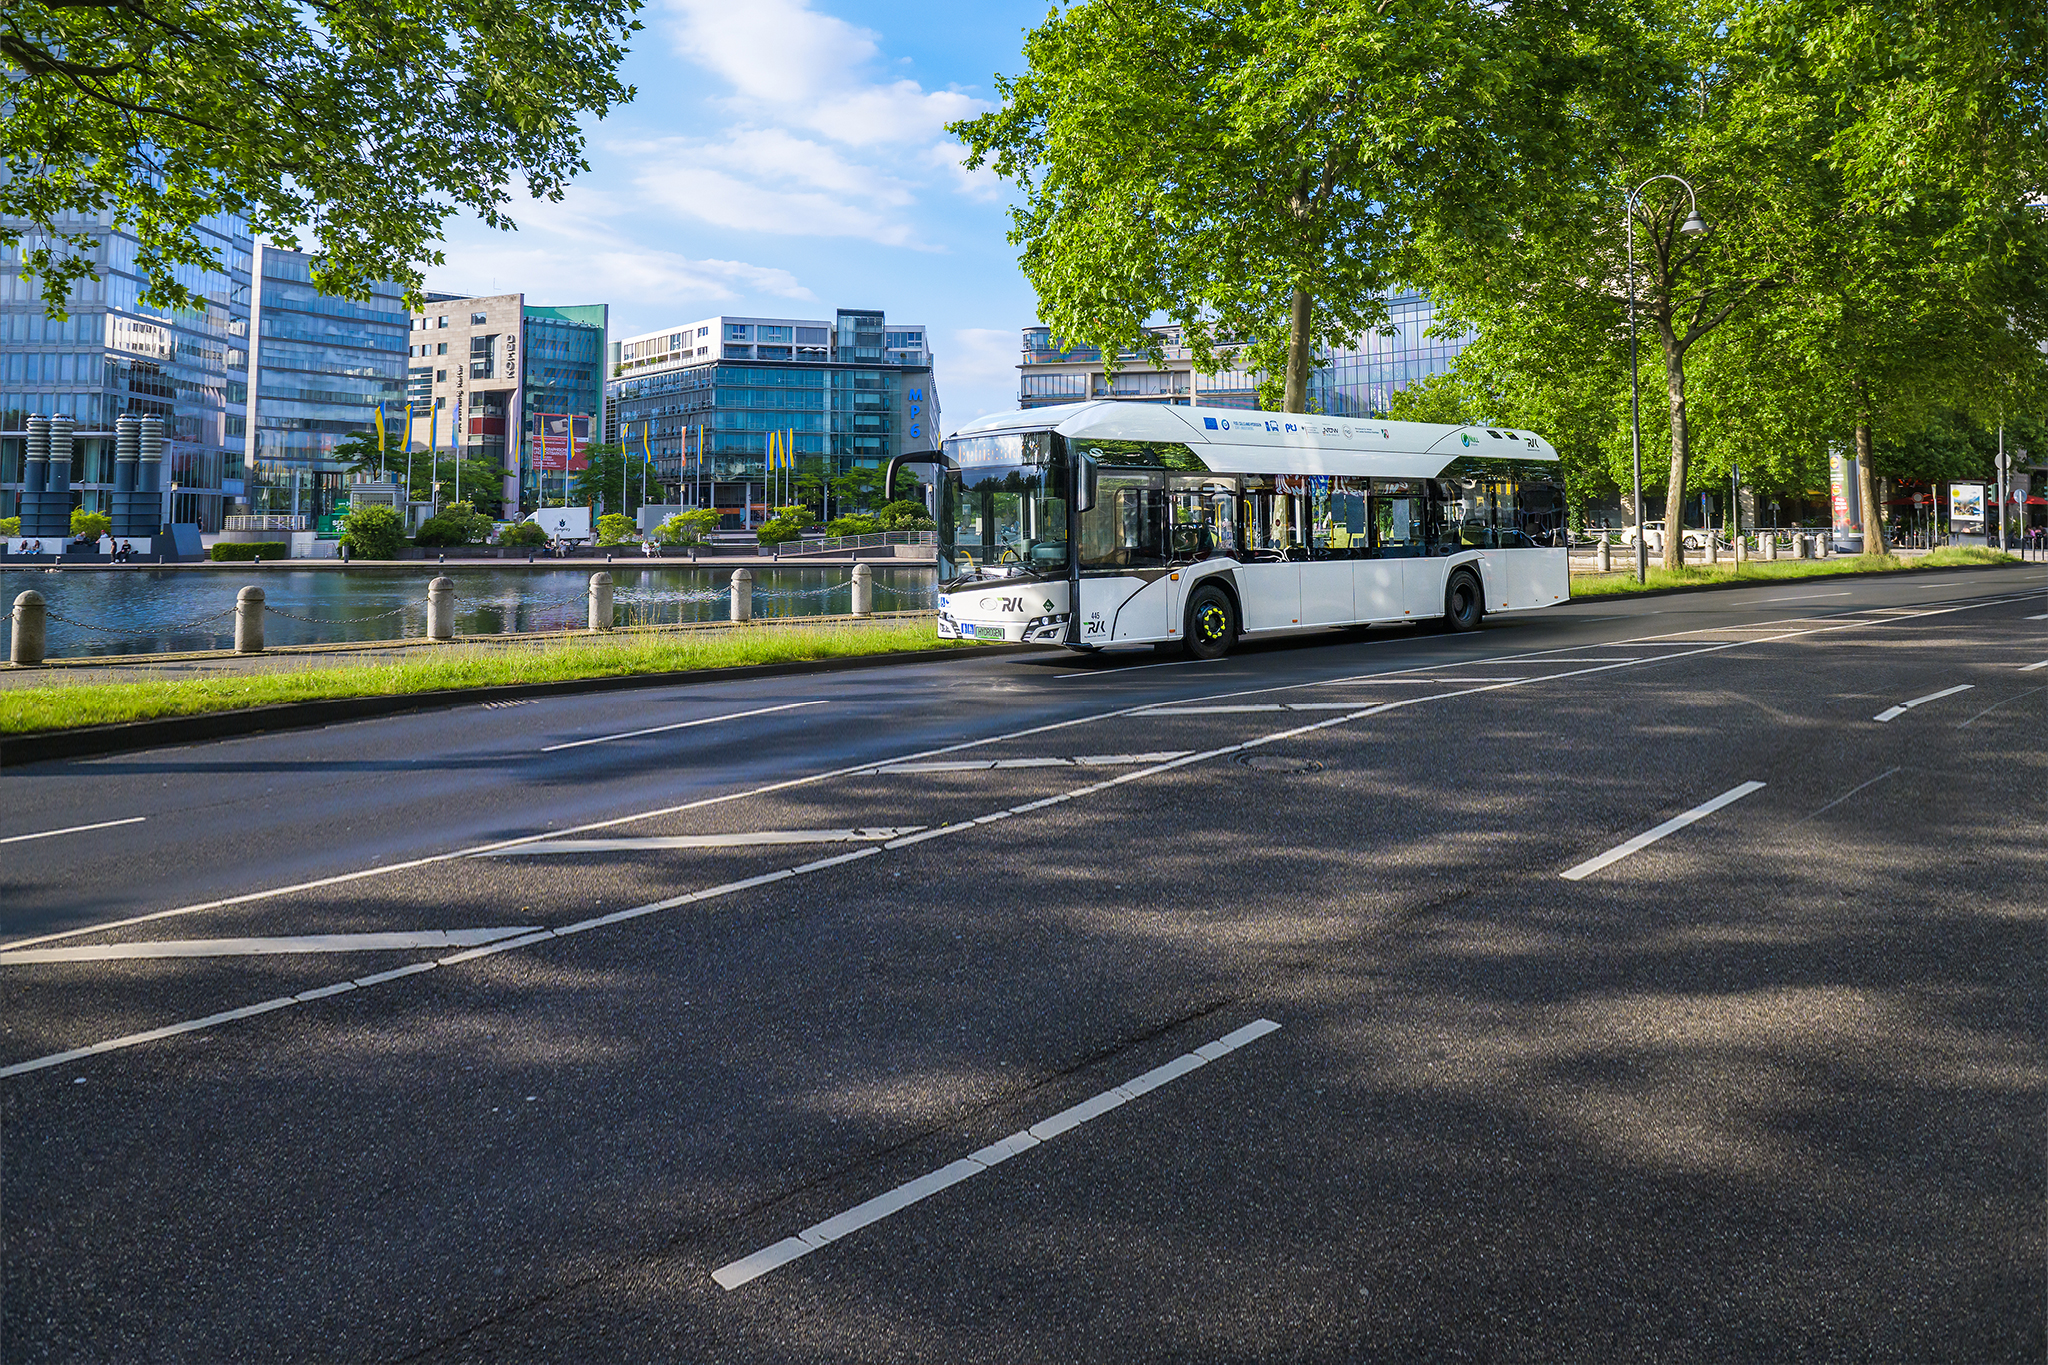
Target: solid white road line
<point>751,839</point>
<point>1894,712</point>
<point>2029,668</point>
<point>2042,617</point>
<point>250,947</point>
<point>1123,760</point>
<point>73,829</point>
<point>736,1273</point>
<point>1805,596</point>
<point>1651,836</point>
<point>1682,650</point>
<point>680,725</point>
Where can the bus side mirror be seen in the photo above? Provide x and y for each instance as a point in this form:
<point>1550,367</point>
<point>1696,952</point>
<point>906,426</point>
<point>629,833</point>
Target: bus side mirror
<point>1086,484</point>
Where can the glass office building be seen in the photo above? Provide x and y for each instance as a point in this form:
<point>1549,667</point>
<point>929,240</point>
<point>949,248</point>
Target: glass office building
<point>1354,382</point>
<point>110,356</point>
<point>319,367</point>
<point>485,370</point>
<point>706,399</point>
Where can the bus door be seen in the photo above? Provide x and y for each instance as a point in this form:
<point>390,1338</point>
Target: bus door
<point>1327,597</point>
<point>1202,512</point>
<point>1271,572</point>
<point>1406,583</point>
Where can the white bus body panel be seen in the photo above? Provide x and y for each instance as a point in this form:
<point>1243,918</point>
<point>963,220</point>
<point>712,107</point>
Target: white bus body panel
<point>1326,596</point>
<point>1522,580</point>
<point>1000,612</point>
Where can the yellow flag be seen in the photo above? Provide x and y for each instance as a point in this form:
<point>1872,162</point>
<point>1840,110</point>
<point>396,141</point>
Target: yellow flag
<point>380,427</point>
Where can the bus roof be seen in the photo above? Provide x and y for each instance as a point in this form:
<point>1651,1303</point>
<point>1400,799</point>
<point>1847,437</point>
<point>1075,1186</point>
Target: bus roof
<point>1238,441</point>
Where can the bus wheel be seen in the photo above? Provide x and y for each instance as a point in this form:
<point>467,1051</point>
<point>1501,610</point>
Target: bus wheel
<point>1211,623</point>
<point>1462,603</point>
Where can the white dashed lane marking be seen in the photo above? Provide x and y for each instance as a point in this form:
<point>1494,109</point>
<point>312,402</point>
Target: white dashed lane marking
<point>679,725</point>
<point>72,829</point>
<point>736,1273</point>
<point>748,839</point>
<point>1894,712</point>
<point>1651,836</point>
<point>251,947</point>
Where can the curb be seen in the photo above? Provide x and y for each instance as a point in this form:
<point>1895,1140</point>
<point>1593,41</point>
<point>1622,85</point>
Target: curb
<point>1803,578</point>
<point>88,741</point>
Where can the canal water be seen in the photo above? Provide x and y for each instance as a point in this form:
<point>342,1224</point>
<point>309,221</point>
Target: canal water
<point>139,612</point>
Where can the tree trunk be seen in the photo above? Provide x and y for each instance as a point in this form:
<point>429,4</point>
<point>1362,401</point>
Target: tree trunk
<point>1681,450</point>
<point>1298,334</point>
<point>1874,542</point>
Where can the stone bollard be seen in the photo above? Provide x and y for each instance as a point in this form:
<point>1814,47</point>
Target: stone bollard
<point>742,594</point>
<point>31,629</point>
<point>249,621</point>
<point>1603,556</point>
<point>441,609</point>
<point>1767,546</point>
<point>1799,545</point>
<point>863,590</point>
<point>1713,548</point>
<point>600,601</point>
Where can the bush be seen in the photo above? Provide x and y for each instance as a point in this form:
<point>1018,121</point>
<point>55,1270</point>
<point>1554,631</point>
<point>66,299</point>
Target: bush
<point>616,528</point>
<point>10,526</point>
<point>904,515</point>
<point>373,532</point>
<point>859,524</point>
<point>688,528</point>
<point>523,533</point>
<point>787,524</point>
<point>458,523</point>
<point>90,524</point>
<point>244,550</point>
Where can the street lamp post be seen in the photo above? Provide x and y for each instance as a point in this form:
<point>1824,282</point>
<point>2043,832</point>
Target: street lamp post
<point>1693,226</point>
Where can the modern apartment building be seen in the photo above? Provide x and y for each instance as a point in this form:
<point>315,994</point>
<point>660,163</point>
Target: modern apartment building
<point>110,355</point>
<point>1352,382</point>
<point>706,399</point>
<point>485,372</point>
<point>319,367</point>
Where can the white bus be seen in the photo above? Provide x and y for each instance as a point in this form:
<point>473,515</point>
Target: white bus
<point>1098,524</point>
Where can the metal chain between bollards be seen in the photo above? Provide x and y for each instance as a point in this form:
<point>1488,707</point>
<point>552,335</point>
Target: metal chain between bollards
<point>130,631</point>
<point>341,620</point>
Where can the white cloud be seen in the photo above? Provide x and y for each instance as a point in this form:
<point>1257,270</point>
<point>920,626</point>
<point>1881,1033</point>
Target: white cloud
<point>977,373</point>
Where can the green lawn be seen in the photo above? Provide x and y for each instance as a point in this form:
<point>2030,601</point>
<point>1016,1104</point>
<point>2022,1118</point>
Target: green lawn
<point>458,666</point>
<point>1764,571</point>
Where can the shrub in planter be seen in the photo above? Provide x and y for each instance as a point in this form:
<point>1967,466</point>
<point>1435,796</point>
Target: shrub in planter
<point>904,515</point>
<point>688,528</point>
<point>523,535</point>
<point>616,528</point>
<point>244,550</point>
<point>859,524</point>
<point>373,532</point>
<point>787,524</point>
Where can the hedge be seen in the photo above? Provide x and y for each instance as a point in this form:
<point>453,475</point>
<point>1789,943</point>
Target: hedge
<point>251,549</point>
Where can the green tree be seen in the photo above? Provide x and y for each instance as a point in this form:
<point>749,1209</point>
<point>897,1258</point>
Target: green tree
<point>523,533</point>
<point>688,528</point>
<point>858,489</point>
<point>787,524</point>
<point>615,528</point>
<point>612,473</point>
<point>458,523</point>
<point>354,126</point>
<point>90,524</point>
<point>904,515</point>
<point>1253,170</point>
<point>373,532</point>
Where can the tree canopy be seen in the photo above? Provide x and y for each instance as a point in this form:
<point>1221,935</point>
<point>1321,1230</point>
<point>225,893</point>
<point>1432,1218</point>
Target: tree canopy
<point>1255,169</point>
<point>349,128</point>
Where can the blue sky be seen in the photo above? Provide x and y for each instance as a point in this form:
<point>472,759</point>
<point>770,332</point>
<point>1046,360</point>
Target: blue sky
<point>788,157</point>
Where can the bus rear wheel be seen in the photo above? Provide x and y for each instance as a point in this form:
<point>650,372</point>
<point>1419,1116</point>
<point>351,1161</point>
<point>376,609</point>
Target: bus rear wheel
<point>1211,623</point>
<point>1463,604</point>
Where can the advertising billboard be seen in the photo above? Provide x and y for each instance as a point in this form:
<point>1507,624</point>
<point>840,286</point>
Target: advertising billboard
<point>564,442</point>
<point>1966,508</point>
<point>1846,501</point>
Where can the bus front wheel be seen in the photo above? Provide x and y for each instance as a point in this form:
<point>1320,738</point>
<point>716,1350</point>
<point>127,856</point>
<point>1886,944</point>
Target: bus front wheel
<point>1462,601</point>
<point>1211,623</point>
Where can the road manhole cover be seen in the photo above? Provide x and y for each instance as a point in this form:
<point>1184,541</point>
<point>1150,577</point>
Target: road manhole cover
<point>1280,763</point>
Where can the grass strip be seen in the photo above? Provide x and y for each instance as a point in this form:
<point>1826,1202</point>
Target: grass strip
<point>457,666</point>
<point>1771,570</point>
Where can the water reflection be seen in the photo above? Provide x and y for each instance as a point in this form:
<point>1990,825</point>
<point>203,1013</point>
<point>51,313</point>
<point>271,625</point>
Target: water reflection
<point>144,612</point>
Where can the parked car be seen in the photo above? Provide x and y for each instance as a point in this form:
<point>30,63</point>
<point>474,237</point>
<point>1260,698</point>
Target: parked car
<point>1653,536</point>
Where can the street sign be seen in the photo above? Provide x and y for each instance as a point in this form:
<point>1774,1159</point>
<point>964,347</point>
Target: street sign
<point>2004,462</point>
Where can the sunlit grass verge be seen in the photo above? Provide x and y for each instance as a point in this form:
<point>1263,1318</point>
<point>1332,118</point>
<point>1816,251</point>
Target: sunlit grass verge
<point>459,666</point>
<point>1764,571</point>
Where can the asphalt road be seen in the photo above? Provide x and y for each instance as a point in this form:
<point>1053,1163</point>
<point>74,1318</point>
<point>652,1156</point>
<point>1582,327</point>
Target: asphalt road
<point>1330,1002</point>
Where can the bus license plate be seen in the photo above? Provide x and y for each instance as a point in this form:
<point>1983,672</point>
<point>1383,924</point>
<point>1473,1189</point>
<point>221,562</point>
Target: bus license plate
<point>982,632</point>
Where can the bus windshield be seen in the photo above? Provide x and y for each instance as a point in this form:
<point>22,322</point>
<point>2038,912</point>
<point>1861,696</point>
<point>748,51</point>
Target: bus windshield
<point>1003,510</point>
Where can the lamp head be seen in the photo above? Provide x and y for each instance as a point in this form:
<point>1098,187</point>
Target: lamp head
<point>1694,225</point>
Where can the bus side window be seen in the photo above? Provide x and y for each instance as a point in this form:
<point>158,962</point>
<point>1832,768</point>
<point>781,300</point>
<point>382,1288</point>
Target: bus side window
<point>1127,527</point>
